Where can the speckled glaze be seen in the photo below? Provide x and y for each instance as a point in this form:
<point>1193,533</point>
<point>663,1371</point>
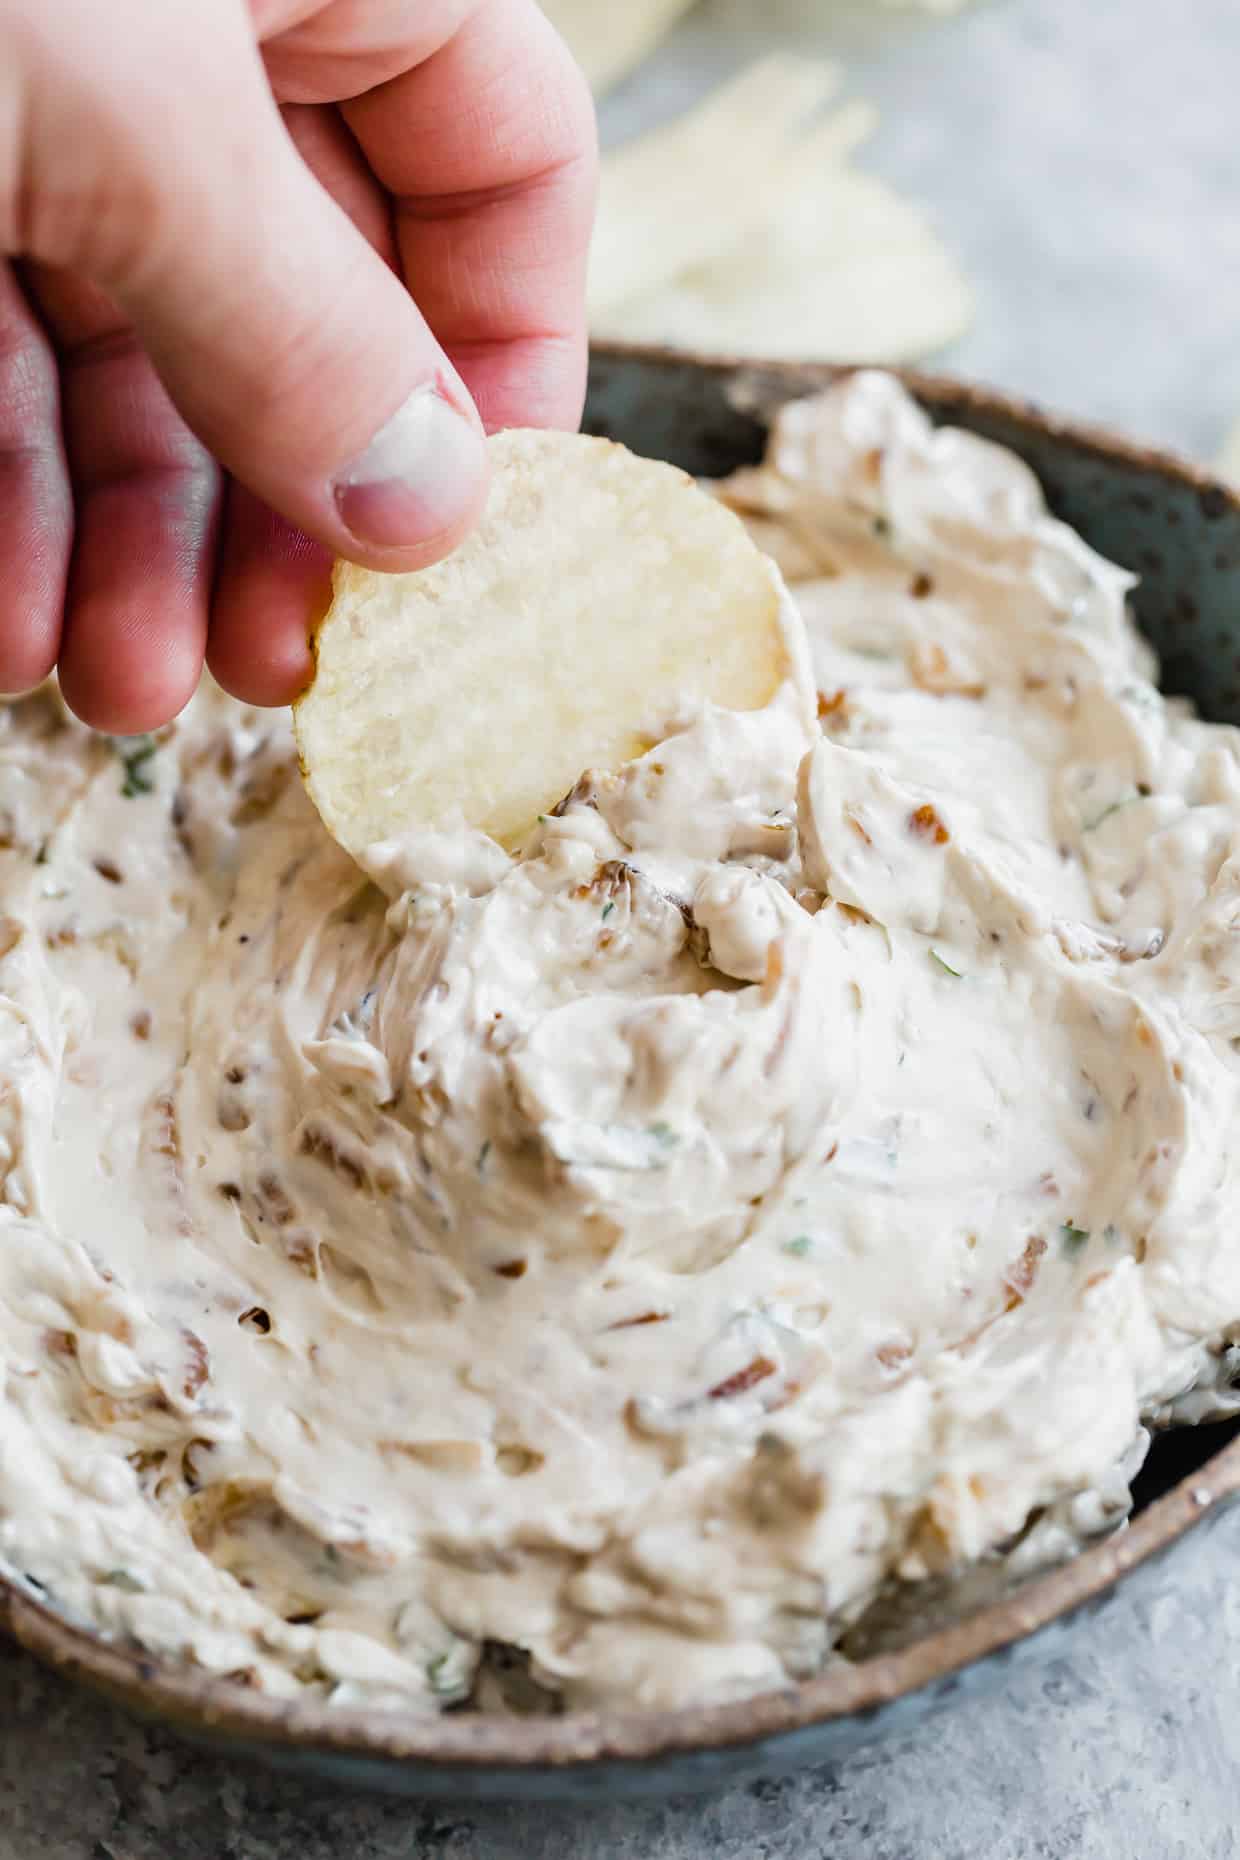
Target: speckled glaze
<point>1180,531</point>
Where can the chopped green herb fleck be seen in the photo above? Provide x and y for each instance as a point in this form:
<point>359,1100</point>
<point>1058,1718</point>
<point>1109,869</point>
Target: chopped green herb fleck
<point>664,1134</point>
<point>40,857</point>
<point>1073,1239</point>
<point>483,1153</point>
<point>135,753</point>
<point>608,908</point>
<point>1125,800</point>
<point>945,965</point>
<point>122,1579</point>
<point>1111,1233</point>
<point>438,1676</point>
<point>799,1245</point>
<point>881,526</point>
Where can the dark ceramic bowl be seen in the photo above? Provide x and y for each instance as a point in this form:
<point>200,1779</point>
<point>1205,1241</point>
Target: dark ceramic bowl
<point>1180,532</point>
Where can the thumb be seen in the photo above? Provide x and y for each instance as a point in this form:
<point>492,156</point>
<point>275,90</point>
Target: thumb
<point>288,345</point>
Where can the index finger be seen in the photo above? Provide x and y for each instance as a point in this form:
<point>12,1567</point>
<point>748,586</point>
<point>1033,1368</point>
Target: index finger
<point>489,150</point>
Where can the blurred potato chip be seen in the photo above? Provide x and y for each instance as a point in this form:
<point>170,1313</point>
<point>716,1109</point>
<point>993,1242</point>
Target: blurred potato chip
<point>742,227</point>
<point>1229,456</point>
<point>608,41</point>
<point>599,592</point>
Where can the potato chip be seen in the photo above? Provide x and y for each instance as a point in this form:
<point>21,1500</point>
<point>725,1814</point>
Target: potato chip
<point>679,195</point>
<point>598,595</point>
<point>844,268</point>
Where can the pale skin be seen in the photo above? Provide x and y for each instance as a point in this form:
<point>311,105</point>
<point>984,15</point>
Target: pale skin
<point>237,240</point>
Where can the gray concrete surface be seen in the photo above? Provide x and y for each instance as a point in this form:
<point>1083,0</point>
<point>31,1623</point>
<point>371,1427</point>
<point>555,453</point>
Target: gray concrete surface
<point>1084,158</point>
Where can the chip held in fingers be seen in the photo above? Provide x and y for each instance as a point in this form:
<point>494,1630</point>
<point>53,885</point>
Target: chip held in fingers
<point>600,593</point>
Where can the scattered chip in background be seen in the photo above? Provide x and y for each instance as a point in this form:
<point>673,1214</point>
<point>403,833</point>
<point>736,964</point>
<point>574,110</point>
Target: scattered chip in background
<point>610,38</point>
<point>743,227</point>
<point>1229,457</point>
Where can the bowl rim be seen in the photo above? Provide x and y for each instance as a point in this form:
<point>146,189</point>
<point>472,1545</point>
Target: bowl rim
<point>186,1697</point>
<point>764,383</point>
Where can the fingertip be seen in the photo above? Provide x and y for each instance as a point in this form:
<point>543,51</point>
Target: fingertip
<point>30,615</point>
<point>135,699</point>
<point>269,683</point>
<point>21,670</point>
<point>131,653</point>
<point>36,503</point>
<point>398,560</point>
<point>36,534</point>
<point>273,586</point>
<point>419,484</point>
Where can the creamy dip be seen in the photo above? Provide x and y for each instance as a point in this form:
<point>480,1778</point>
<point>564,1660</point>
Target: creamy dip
<point>800,1173</point>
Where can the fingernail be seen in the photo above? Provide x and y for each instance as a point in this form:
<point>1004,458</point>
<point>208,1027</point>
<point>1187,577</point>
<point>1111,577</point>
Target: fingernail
<point>417,476</point>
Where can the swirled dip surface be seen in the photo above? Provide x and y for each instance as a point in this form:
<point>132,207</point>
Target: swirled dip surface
<point>801,1171</point>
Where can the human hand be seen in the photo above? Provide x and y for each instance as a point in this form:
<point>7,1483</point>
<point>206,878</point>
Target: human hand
<point>272,266</point>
